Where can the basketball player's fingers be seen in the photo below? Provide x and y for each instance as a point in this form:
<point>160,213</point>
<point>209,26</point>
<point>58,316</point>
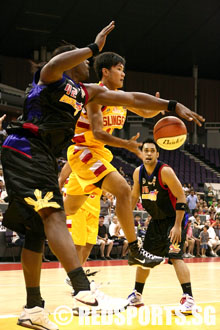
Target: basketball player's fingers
<point>134,138</point>
<point>198,117</point>
<point>101,36</point>
<point>109,28</point>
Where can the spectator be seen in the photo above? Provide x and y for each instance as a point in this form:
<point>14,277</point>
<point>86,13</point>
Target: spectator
<point>103,240</point>
<point>137,220</point>
<point>105,209</point>
<point>212,217</point>
<point>214,242</point>
<point>190,242</point>
<point>3,193</point>
<point>185,188</point>
<point>192,200</point>
<point>204,239</point>
<point>139,206</point>
<point>209,195</point>
<point>118,235</point>
<point>218,208</point>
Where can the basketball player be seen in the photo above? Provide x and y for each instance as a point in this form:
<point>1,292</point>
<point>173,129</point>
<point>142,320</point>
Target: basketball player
<point>90,160</point>
<point>83,225</point>
<point>111,68</point>
<point>164,199</point>
<point>52,107</point>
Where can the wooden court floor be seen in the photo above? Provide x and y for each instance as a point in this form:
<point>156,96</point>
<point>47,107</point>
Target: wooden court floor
<point>161,291</point>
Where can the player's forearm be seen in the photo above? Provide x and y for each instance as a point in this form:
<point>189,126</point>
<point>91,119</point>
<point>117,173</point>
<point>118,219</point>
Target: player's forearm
<point>55,68</point>
<point>145,113</point>
<point>110,140</point>
<point>135,100</point>
<point>179,218</point>
<point>70,59</point>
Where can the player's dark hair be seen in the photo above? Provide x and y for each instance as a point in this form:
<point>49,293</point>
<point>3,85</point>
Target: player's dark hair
<point>149,140</point>
<point>207,227</point>
<point>63,48</point>
<point>106,60</point>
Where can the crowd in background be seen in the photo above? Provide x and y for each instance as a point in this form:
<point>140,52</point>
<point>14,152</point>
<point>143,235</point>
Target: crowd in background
<point>202,226</point>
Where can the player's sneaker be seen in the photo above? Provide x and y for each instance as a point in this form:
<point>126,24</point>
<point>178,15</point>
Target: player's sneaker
<point>36,318</point>
<point>187,306</point>
<point>144,259</point>
<point>98,301</point>
<point>135,299</point>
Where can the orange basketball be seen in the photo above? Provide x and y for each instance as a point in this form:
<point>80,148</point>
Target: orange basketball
<point>170,133</point>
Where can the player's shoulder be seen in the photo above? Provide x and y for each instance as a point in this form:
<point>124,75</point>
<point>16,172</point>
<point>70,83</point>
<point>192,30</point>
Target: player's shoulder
<point>167,170</point>
<point>136,172</point>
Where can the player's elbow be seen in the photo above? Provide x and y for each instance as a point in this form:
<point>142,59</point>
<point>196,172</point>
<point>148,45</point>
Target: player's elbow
<point>98,134</point>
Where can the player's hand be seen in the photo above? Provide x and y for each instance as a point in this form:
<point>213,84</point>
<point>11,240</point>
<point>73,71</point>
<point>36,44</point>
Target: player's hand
<point>175,235</point>
<point>189,115</point>
<point>158,96</point>
<point>1,120</point>
<point>101,36</point>
<point>134,146</point>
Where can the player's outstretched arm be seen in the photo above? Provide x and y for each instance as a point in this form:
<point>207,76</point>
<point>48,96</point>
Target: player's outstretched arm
<point>141,101</point>
<point>54,69</point>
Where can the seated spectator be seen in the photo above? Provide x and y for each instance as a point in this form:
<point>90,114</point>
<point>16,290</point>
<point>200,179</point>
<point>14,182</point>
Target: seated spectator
<point>139,206</point>
<point>212,217</point>
<point>105,209</point>
<point>117,234</point>
<point>137,220</point>
<point>3,193</point>
<point>218,208</point>
<point>190,242</point>
<point>200,210</point>
<point>185,188</point>
<point>204,239</point>
<point>103,240</point>
<point>214,242</point>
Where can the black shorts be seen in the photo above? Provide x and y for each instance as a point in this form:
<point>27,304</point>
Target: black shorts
<point>33,176</point>
<point>157,241</point>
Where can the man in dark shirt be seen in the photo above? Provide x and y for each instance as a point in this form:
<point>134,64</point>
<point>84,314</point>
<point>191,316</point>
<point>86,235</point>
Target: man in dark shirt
<point>164,199</point>
<point>103,240</point>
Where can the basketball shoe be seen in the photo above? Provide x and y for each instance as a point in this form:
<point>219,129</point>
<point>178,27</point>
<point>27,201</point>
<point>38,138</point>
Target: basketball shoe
<point>98,301</point>
<point>187,306</point>
<point>36,318</point>
<point>135,299</point>
<point>144,259</point>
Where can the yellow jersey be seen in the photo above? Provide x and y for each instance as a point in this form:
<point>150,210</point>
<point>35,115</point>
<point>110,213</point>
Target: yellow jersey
<point>113,117</point>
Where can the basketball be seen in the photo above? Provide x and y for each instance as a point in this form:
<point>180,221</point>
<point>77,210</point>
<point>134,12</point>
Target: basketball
<point>170,133</point>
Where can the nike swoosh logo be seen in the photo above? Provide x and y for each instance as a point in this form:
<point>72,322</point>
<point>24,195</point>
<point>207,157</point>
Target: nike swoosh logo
<point>95,303</point>
<point>142,261</point>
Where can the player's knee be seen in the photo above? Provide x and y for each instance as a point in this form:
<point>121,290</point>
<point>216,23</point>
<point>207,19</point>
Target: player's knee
<point>124,192</point>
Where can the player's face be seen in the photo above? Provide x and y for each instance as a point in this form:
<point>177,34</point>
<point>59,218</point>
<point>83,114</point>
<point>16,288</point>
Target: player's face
<point>116,75</point>
<point>82,70</point>
<point>150,154</point>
